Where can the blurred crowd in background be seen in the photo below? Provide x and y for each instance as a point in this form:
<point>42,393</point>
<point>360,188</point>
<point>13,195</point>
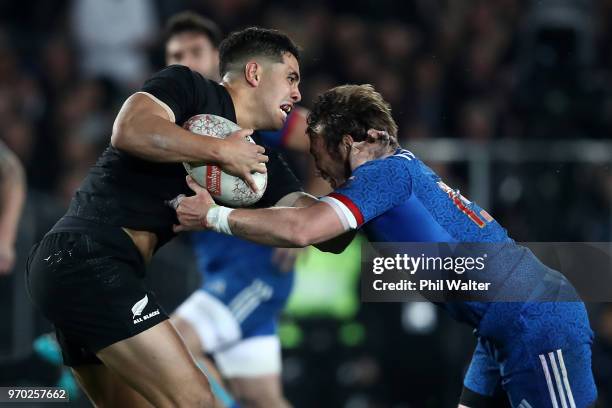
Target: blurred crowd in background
<point>476,71</point>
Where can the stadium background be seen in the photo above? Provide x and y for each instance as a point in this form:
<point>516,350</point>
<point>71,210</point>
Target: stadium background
<point>509,100</point>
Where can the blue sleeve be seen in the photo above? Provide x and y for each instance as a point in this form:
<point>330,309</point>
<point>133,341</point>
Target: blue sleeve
<point>271,138</point>
<point>374,188</point>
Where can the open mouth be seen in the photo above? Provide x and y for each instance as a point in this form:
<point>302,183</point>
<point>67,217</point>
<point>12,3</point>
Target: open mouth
<point>286,109</point>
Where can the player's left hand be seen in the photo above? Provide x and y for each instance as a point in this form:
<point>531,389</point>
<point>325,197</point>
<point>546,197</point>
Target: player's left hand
<point>191,211</point>
<point>374,147</point>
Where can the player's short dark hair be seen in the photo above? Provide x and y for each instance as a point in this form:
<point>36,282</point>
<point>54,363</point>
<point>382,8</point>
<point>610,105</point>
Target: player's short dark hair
<point>350,110</point>
<point>254,42</point>
<point>188,21</point>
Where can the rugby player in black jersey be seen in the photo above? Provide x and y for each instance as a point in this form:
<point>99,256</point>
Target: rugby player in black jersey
<point>245,347</point>
<point>86,275</point>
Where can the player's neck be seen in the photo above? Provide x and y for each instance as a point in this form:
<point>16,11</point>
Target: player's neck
<point>384,155</point>
<point>390,152</point>
<point>242,106</point>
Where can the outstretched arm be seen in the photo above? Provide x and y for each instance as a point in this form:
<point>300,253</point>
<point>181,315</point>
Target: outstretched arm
<point>278,226</point>
<point>287,227</point>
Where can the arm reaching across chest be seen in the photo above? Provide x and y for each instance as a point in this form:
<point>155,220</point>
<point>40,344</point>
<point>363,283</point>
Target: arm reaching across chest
<point>275,226</point>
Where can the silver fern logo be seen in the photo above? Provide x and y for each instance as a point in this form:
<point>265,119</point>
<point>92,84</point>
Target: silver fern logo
<point>139,306</point>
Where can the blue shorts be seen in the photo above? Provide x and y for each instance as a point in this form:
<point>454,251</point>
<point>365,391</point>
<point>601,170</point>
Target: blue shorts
<point>235,317</point>
<point>244,278</point>
<point>235,305</point>
<point>540,354</point>
<point>255,301</point>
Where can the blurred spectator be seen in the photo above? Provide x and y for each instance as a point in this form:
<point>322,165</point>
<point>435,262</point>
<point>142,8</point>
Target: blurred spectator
<point>12,197</point>
<point>113,38</point>
<point>18,136</point>
<point>477,121</point>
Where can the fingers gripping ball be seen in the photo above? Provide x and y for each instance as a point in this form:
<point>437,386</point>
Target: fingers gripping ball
<point>223,187</point>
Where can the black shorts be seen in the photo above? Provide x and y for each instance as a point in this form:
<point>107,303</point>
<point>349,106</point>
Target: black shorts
<point>89,283</point>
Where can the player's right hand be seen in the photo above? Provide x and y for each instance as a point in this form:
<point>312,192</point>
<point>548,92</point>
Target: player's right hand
<point>241,158</point>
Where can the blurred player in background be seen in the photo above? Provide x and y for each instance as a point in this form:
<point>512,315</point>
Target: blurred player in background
<point>12,198</point>
<point>538,351</point>
<point>87,274</point>
<point>245,285</point>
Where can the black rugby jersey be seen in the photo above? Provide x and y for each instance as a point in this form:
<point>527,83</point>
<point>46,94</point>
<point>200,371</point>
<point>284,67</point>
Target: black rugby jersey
<point>125,191</point>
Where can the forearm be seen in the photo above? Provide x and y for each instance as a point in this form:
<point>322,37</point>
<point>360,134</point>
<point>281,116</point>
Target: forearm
<point>12,191</point>
<point>156,139</point>
<point>279,227</point>
<point>143,129</point>
<point>286,227</point>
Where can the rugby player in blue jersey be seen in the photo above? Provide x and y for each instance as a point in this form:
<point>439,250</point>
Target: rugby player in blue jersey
<point>538,351</point>
<point>233,316</point>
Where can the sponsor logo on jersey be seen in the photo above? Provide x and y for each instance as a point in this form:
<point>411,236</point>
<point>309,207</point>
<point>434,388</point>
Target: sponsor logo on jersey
<point>213,179</point>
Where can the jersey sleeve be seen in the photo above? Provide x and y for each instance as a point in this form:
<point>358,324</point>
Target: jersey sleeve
<point>281,180</point>
<point>271,138</point>
<point>176,88</point>
<point>374,188</point>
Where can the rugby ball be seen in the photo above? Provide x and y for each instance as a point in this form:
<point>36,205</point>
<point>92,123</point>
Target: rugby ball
<point>223,187</point>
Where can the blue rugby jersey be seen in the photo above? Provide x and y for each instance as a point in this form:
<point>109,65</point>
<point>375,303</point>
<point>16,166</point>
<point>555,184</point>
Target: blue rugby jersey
<point>400,199</point>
